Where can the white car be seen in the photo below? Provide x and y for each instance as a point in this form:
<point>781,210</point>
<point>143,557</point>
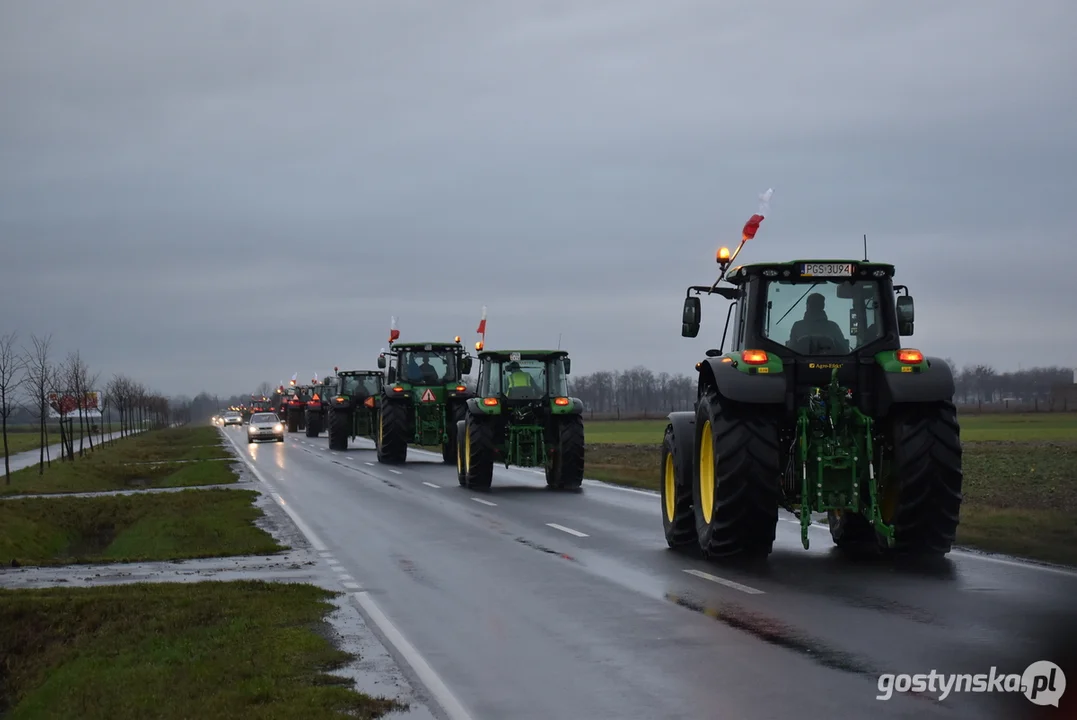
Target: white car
<point>232,417</point>
<point>265,426</point>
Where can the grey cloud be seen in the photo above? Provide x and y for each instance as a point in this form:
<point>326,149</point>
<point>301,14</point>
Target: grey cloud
<point>572,165</point>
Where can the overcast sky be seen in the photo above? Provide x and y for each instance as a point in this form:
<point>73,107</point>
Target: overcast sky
<point>208,194</point>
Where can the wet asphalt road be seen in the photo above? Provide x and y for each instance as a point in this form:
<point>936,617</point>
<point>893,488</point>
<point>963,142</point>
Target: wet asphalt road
<point>530,604</point>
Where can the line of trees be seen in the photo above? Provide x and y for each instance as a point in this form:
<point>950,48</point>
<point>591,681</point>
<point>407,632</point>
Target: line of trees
<point>29,376</point>
<point>639,392</point>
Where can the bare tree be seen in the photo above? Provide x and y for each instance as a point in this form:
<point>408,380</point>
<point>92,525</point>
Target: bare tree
<point>38,371</point>
<point>264,390</point>
<point>11,378</point>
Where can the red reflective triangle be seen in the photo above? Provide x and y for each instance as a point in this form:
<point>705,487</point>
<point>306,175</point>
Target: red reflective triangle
<point>428,396</point>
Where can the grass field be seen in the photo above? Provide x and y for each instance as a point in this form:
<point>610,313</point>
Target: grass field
<point>23,438</point>
<point>173,651</point>
<point>174,457</point>
<point>1020,477</point>
<point>131,528</point>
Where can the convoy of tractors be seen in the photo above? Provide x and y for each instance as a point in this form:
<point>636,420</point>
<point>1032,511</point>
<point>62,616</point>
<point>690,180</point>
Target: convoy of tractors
<point>811,416</point>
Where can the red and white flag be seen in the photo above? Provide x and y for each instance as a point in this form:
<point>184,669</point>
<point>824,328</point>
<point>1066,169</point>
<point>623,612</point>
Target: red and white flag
<point>482,323</point>
<point>394,334</point>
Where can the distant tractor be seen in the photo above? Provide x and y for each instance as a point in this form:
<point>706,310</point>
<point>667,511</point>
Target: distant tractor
<point>352,398</point>
<point>315,411</point>
<point>816,408</point>
<point>522,415</point>
<point>295,417</point>
<point>424,399</point>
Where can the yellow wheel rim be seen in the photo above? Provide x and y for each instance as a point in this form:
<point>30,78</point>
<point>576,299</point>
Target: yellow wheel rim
<point>381,429</point>
<point>459,459</point>
<point>671,489</point>
<point>706,473</point>
<point>467,449</point>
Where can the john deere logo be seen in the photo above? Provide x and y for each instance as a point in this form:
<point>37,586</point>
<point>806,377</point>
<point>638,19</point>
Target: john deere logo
<point>825,366</point>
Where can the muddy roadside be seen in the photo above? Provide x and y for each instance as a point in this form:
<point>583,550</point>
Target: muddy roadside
<point>373,669</point>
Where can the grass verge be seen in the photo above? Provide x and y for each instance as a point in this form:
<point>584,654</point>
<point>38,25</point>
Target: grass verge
<point>207,650</point>
<point>174,457</point>
<point>1020,496</point>
<point>132,528</point>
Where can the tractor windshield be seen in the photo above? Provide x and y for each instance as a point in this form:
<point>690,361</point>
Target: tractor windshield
<point>427,367</point>
<point>824,317</point>
<point>525,379</point>
<point>360,385</point>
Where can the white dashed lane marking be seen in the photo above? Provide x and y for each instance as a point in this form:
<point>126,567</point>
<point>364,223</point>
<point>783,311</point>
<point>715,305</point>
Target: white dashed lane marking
<point>568,530</point>
<point>484,502</point>
<point>728,583</point>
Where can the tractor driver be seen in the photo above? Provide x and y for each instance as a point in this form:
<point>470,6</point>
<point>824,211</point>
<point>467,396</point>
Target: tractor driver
<point>816,324</point>
<point>426,373</point>
<point>516,377</point>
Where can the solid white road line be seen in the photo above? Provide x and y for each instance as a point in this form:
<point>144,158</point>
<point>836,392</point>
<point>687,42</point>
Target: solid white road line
<point>485,502</point>
<point>728,583</point>
<point>441,692</point>
<point>431,485</point>
<point>568,530</point>
<point>433,682</point>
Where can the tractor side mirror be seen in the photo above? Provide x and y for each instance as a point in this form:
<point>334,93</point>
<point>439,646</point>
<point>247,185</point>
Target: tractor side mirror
<point>392,375</point>
<point>567,364</point>
<point>905,315</point>
<point>381,362</point>
<point>690,317</point>
<point>465,365</point>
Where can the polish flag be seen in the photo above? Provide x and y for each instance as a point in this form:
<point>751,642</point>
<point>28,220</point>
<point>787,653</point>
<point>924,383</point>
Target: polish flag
<point>752,226</point>
<point>482,323</point>
<point>394,334</point>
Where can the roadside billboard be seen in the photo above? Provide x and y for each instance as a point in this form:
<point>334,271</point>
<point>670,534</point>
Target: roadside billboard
<point>67,404</point>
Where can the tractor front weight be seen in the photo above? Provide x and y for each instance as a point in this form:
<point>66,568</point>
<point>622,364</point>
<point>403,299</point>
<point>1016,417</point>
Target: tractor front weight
<point>835,453</point>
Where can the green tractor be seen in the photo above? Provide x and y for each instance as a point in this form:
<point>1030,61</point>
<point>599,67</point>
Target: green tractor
<point>522,415</point>
<point>817,407</point>
<point>425,399</point>
<point>316,409</point>
<point>353,399</point>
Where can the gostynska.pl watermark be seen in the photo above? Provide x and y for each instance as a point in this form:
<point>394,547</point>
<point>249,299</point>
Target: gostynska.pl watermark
<point>1042,683</point>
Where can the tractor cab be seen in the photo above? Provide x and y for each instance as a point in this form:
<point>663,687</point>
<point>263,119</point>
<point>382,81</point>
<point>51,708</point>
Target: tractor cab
<point>523,377</point>
<point>359,384</point>
<point>426,364</point>
<point>804,319</point>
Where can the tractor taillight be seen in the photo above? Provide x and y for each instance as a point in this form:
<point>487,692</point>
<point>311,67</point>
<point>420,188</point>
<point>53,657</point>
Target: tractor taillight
<point>560,401</point>
<point>754,357</point>
<point>461,388</point>
<point>490,401</point>
<point>397,388</point>
<point>910,356</point>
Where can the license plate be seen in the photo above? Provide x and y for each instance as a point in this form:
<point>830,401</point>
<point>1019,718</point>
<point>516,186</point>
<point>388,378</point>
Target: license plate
<point>826,270</point>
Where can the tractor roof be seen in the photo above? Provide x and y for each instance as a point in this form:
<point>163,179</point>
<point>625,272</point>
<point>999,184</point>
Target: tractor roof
<point>345,373</point>
<point>422,345</point>
<point>796,270</point>
<point>525,354</point>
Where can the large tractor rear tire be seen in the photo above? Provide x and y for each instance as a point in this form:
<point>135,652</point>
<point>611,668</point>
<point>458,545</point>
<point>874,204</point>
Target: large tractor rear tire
<point>479,454</point>
<point>564,471</point>
<point>339,429</point>
<point>393,433</point>
<point>314,423</point>
<point>293,421</point>
<point>923,499</point>
<point>678,518</point>
<point>461,453</point>
<point>736,491</point>
<point>456,412</point>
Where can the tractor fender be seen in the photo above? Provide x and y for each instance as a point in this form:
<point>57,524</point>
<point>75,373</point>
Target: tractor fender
<point>575,407</point>
<point>933,385</point>
<point>732,384</point>
<point>684,442</point>
<point>475,407</point>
